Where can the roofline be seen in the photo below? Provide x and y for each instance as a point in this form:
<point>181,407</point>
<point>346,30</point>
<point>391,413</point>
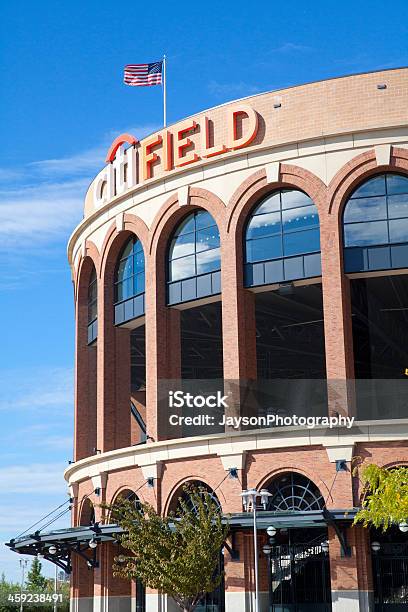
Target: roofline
<point>271,91</point>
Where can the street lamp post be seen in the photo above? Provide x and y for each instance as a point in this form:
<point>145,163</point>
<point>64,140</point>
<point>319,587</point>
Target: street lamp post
<point>249,501</point>
<point>23,565</point>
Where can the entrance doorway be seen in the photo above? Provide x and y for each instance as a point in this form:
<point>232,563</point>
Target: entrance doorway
<point>390,570</point>
<point>299,572</point>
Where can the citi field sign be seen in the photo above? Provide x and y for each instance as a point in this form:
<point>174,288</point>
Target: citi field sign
<point>170,149</point>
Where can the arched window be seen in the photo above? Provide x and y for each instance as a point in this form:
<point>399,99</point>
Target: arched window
<point>282,241</point>
<point>182,494</point>
<point>130,282</point>
<point>92,307</point>
<point>87,513</point>
<point>294,492</point>
<point>375,223</point>
<point>194,260</point>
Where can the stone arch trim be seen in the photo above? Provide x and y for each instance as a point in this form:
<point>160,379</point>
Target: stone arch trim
<point>323,487</point>
<point>186,480</point>
<point>92,254</point>
<point>85,501</point>
<point>356,171</point>
<point>126,487</point>
<point>399,462</point>
<point>256,186</point>
<point>115,239</point>
<point>172,212</point>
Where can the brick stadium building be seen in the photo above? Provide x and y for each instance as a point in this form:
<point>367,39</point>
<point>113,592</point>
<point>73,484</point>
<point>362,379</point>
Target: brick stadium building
<point>262,243</point>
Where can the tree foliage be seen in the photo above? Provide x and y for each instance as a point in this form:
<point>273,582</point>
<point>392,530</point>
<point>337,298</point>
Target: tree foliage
<point>178,554</point>
<point>35,579</point>
<point>385,496</point>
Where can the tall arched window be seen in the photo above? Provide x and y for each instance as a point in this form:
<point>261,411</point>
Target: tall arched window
<point>375,223</point>
<point>194,260</point>
<point>130,282</point>
<point>282,241</point>
<point>92,307</point>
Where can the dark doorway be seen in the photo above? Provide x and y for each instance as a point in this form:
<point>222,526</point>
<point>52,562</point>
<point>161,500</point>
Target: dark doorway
<point>390,570</point>
<point>201,342</point>
<point>380,338</point>
<point>290,333</point>
<point>299,572</point>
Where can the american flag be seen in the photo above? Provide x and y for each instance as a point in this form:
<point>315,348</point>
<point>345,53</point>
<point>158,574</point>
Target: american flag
<point>139,75</point>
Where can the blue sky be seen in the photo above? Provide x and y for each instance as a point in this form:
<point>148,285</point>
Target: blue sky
<point>62,103</point>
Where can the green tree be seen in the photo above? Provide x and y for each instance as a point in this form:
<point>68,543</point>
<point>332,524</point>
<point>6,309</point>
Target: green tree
<point>385,496</point>
<point>177,555</point>
<point>35,580</point>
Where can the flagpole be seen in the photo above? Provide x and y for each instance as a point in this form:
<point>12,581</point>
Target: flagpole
<point>164,91</point>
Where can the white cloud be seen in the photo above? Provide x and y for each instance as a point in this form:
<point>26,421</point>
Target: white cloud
<point>290,47</point>
<point>42,388</point>
<point>40,214</point>
<point>44,478</point>
<point>47,202</point>
<point>79,163</point>
<point>87,161</point>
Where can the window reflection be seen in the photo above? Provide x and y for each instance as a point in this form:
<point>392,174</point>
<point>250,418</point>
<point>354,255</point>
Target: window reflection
<point>130,277</point>
<point>195,248</point>
<point>92,297</point>
<point>376,215</point>
<point>285,224</point>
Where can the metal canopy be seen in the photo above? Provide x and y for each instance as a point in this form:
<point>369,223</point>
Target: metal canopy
<point>76,539</point>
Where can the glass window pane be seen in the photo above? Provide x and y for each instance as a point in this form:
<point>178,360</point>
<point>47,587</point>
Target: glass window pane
<point>263,249</point>
<point>264,225</point>
<point>127,250</point>
<point>186,226</point>
<point>183,245</point>
<point>139,263</point>
<point>204,219</point>
<point>182,268</point>
<point>399,230</point>
<point>137,248</point>
<point>366,209</point>
<point>208,261</point>
<point>138,284</point>
<point>208,238</point>
<point>92,292</point>
<point>398,206</point>
<point>119,292</point>
<point>127,288</point>
<point>294,198</point>
<point>298,243</point>
<point>397,184</point>
<point>373,187</point>
<point>272,203</point>
<point>92,312</point>
<point>300,218</point>
<point>361,234</point>
<point>125,268</point>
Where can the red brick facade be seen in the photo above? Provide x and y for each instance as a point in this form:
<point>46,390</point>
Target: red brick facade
<point>102,372</point>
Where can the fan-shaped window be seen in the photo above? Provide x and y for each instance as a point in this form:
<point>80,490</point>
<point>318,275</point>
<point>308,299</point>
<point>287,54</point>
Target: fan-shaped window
<point>92,307</point>
<point>181,493</point>
<point>194,260</point>
<point>282,241</point>
<point>130,282</point>
<point>375,225</point>
<point>294,492</point>
<point>129,496</point>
